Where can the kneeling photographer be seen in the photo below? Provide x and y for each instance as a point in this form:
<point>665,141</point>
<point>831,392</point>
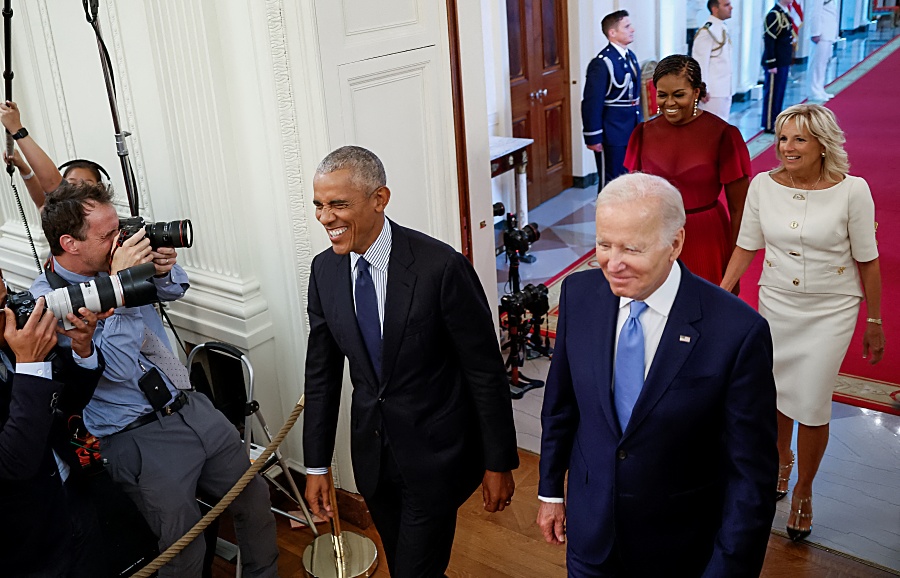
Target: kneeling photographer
<point>49,526</point>
<point>161,443</point>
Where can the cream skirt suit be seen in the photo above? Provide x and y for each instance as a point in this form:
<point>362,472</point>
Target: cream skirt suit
<point>810,288</point>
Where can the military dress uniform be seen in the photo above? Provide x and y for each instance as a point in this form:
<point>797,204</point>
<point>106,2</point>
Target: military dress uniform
<point>712,50</point>
<point>778,51</point>
<point>823,22</point>
<point>611,108</point>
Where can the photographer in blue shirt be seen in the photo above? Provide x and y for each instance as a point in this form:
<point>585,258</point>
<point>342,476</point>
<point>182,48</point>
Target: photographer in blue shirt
<point>161,443</point>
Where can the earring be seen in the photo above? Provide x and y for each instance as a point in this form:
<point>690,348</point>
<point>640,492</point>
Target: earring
<point>823,154</point>
<point>695,106</point>
<point>658,109</point>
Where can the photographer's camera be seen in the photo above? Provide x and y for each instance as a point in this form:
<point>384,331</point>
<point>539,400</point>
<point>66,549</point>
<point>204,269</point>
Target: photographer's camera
<point>129,288</point>
<point>171,234</point>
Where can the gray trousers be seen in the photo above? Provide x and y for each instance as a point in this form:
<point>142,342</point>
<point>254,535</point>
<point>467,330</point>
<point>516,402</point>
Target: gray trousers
<point>163,465</point>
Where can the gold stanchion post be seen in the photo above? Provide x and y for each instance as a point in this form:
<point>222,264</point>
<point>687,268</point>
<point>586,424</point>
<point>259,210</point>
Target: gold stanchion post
<point>339,554</point>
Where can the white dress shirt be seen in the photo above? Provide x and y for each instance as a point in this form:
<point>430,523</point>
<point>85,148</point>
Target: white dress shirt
<point>653,322</point>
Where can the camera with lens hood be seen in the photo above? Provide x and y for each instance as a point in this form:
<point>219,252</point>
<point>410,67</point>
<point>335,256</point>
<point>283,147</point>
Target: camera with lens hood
<point>519,240</point>
<point>171,234</point>
<point>533,299</point>
<point>130,287</point>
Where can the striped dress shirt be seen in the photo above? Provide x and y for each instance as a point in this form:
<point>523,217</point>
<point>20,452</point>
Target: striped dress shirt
<point>378,256</point>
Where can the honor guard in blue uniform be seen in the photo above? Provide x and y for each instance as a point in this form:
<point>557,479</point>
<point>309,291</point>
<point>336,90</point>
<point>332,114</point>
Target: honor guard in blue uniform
<point>611,107</point>
<point>778,52</point>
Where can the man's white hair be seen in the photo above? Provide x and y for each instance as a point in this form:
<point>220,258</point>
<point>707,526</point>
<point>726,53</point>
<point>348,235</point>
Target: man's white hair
<point>656,196</point>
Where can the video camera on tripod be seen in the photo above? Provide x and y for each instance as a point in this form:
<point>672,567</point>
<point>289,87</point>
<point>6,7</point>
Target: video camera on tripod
<point>533,299</point>
<point>524,332</point>
<point>517,241</point>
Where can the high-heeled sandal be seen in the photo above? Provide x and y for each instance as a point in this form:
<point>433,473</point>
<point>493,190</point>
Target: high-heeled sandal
<point>795,533</point>
<point>784,476</point>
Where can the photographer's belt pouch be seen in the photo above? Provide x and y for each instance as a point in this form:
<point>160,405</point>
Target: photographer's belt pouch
<point>154,387</point>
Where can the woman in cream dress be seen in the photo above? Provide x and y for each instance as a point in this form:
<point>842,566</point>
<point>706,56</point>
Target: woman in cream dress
<point>816,224</point>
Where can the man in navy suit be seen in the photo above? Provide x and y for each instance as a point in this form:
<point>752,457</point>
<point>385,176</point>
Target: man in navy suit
<point>611,106</point>
<point>49,526</point>
<point>431,415</point>
<point>778,53</point>
<point>660,405</point>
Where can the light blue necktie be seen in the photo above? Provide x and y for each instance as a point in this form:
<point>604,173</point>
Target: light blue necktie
<point>629,373</point>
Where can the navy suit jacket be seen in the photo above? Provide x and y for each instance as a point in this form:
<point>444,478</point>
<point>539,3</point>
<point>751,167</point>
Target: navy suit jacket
<point>33,411</point>
<point>603,121</point>
<point>443,397</point>
<point>689,488</point>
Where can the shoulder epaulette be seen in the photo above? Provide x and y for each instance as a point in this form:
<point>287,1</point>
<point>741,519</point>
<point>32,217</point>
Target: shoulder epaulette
<point>706,27</point>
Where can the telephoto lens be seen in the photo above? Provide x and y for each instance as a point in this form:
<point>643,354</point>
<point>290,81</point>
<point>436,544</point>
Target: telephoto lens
<point>171,234</point>
<point>128,288</point>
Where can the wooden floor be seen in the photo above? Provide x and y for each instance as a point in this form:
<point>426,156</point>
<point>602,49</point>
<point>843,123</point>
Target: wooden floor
<point>509,544</point>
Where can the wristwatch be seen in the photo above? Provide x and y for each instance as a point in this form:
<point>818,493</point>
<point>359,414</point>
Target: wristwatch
<point>21,133</point>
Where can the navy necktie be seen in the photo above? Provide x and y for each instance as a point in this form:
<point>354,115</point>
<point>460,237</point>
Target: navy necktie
<point>367,313</point>
<point>6,367</point>
<point>629,373</point>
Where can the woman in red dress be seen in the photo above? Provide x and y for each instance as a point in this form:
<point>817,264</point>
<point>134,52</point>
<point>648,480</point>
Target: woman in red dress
<point>700,154</point>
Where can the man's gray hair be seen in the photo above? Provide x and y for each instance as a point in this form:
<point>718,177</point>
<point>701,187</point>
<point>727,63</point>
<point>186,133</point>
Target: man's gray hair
<point>644,189</point>
<point>366,171</point>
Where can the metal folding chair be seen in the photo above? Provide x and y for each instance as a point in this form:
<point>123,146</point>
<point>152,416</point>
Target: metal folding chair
<point>224,374</point>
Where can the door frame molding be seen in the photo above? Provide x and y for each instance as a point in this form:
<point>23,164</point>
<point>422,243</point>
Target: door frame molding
<point>459,128</point>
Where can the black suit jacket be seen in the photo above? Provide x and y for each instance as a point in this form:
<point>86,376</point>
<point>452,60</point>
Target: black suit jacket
<point>33,412</point>
<point>443,397</point>
<point>688,488</point>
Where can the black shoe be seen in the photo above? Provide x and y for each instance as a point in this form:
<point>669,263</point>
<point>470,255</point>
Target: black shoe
<point>796,534</point>
<point>769,130</point>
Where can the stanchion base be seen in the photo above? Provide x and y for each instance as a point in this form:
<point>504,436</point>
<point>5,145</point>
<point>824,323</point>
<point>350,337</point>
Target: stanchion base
<point>360,557</point>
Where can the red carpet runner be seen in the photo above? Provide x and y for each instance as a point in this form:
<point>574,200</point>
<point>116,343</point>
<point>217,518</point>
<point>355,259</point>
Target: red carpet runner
<point>867,113</point>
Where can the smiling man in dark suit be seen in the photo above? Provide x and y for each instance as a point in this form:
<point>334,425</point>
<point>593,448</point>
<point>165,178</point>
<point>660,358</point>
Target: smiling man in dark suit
<point>660,405</point>
<point>431,414</point>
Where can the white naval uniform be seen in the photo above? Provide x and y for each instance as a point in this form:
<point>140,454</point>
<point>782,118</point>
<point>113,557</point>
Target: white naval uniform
<point>822,20</point>
<point>712,50</point>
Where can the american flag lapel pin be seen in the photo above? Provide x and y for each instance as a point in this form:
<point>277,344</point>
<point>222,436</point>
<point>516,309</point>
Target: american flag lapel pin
<point>685,339</point>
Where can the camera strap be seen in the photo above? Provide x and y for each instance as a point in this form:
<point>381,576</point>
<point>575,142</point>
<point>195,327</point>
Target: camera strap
<point>162,310</point>
<point>54,278</point>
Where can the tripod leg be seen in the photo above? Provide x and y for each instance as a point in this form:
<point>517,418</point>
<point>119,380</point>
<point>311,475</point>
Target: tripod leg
<point>287,474</point>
